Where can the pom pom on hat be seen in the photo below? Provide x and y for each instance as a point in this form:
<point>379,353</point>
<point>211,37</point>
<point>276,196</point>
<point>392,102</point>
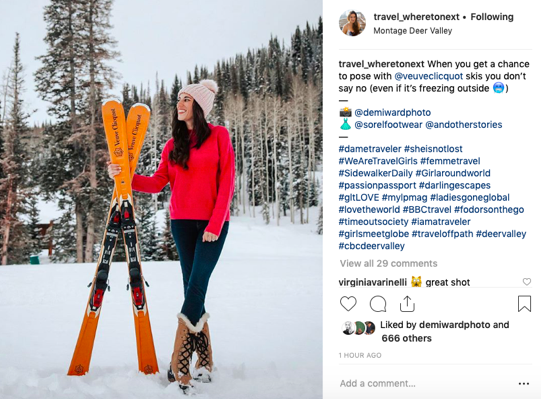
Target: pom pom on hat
<point>210,84</point>
<point>203,93</point>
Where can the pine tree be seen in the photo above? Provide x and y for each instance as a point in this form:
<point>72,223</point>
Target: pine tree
<point>146,225</point>
<point>320,221</point>
<point>2,175</point>
<point>153,241</point>
<point>196,77</point>
<point>275,66</point>
<point>99,46</point>
<point>166,246</point>
<point>62,234</point>
<point>155,139</point>
<point>177,85</point>
<point>220,96</point>
<point>306,53</point>
<point>59,82</point>
<point>296,50</point>
<point>73,78</point>
<point>127,99</point>
<point>136,98</point>
<point>265,211</point>
<point>34,244</point>
<point>318,52</point>
<point>245,75</point>
<point>12,164</point>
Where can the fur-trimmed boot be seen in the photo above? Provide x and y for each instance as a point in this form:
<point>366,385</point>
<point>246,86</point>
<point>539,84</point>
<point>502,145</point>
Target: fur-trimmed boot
<point>182,354</point>
<point>203,348</point>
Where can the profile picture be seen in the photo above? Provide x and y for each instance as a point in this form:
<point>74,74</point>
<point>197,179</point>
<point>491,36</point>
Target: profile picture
<point>370,328</point>
<point>352,23</point>
<point>348,328</point>
<point>360,328</point>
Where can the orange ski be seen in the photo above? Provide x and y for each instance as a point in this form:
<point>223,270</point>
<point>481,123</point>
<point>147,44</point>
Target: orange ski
<point>146,352</point>
<point>118,150</point>
<point>137,123</point>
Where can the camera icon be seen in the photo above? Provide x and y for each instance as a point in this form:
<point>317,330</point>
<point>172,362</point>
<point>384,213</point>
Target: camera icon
<point>345,112</point>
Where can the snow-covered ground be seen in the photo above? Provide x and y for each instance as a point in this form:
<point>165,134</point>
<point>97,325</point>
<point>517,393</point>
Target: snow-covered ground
<point>265,305</point>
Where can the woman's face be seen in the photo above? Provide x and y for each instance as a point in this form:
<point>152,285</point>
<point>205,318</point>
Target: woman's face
<point>185,107</point>
<point>352,18</point>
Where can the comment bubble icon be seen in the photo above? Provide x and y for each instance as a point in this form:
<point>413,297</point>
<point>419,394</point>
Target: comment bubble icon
<point>378,304</point>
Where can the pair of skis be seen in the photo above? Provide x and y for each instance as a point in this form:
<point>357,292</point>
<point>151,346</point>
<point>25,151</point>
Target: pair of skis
<point>124,139</point>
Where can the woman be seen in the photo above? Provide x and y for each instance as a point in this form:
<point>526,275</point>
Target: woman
<point>352,28</point>
<point>199,164</point>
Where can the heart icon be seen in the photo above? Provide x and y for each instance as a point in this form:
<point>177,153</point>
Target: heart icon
<point>527,281</point>
<point>348,302</point>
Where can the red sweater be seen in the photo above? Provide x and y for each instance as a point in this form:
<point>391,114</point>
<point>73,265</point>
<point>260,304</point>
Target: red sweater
<point>205,190</point>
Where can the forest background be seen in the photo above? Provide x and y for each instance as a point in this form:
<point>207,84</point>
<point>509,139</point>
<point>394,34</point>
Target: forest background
<point>270,99</point>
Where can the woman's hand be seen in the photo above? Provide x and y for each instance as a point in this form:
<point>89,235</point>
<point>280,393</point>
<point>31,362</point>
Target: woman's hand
<point>209,237</point>
<point>113,169</point>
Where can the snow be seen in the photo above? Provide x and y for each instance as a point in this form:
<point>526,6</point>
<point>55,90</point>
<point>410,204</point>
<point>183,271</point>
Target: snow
<point>265,305</point>
<point>44,257</point>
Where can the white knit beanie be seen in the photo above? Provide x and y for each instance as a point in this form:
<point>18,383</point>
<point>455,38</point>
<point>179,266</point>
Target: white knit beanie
<point>202,92</point>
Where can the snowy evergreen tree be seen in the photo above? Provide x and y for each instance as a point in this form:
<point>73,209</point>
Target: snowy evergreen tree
<point>177,85</point>
<point>127,99</point>
<point>2,175</point>
<point>166,246</point>
<point>35,242</point>
<point>265,211</point>
<point>73,78</point>
<point>196,77</point>
<point>62,234</point>
<point>320,221</point>
<point>59,82</point>
<point>13,165</point>
<point>306,54</point>
<point>296,50</point>
<point>99,46</point>
<point>313,194</point>
<point>218,111</point>
<point>146,226</point>
<point>158,133</point>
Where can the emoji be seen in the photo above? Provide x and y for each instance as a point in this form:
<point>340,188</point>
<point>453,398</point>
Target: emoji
<point>416,282</point>
<point>345,112</point>
<point>345,125</point>
<point>498,87</point>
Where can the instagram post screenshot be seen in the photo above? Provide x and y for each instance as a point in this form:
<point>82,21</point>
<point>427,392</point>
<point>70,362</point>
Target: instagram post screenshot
<point>164,168</point>
<point>431,220</point>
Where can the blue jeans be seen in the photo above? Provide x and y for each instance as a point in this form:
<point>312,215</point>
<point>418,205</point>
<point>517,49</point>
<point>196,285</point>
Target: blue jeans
<point>197,260</point>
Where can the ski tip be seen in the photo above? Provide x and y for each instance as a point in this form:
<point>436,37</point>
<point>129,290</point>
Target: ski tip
<point>141,105</point>
<point>109,100</point>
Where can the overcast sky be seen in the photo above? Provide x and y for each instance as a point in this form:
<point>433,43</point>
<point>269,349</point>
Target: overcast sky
<point>164,36</point>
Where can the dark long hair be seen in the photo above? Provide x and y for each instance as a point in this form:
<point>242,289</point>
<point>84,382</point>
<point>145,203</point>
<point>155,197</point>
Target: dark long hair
<point>356,26</point>
<point>180,154</point>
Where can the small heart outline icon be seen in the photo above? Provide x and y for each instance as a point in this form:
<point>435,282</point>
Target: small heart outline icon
<point>348,302</point>
<point>527,281</point>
